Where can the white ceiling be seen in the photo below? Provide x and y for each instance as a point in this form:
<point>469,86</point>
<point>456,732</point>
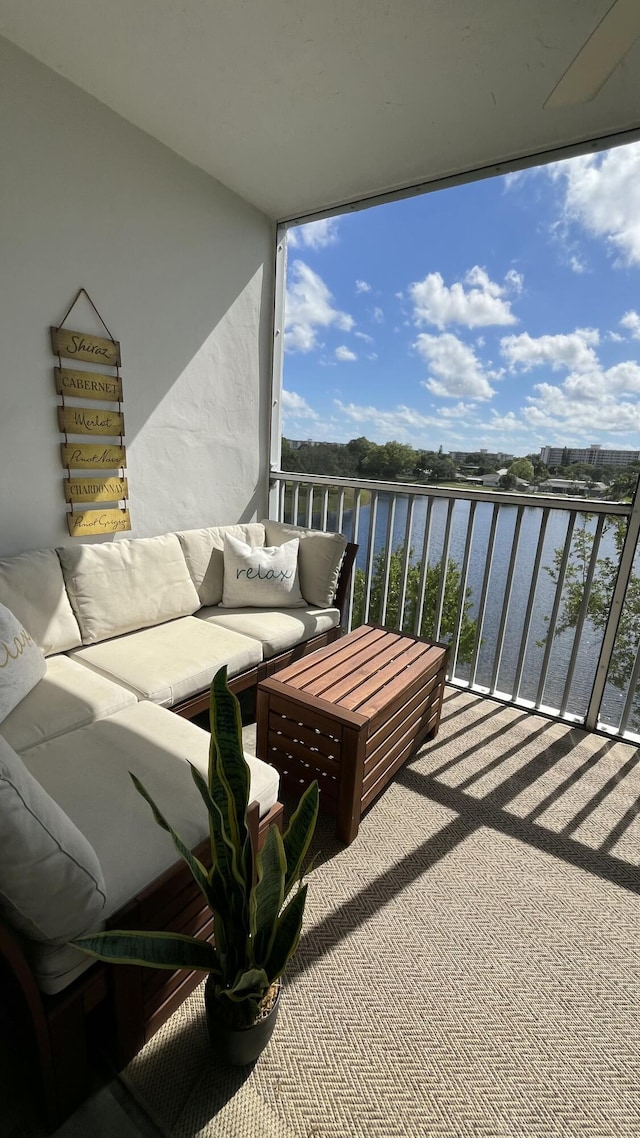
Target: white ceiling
<point>304,105</point>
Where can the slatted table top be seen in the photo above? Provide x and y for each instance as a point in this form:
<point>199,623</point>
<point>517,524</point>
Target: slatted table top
<point>360,675</point>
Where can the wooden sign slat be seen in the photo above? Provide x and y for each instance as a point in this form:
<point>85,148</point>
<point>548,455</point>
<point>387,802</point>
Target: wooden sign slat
<point>91,522</point>
<point>89,421</point>
<point>95,489</point>
<point>92,456</point>
<point>88,385</point>
<point>82,346</point>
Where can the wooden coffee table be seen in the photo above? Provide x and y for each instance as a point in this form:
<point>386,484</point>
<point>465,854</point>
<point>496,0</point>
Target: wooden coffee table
<point>349,715</point>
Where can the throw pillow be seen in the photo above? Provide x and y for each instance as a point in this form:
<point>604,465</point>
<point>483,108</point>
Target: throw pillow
<point>51,883</point>
<point>262,577</point>
<point>320,559</point>
<point>22,663</point>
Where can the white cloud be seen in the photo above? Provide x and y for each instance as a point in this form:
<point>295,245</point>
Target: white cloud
<point>456,370</point>
<point>344,353</point>
<point>296,407</point>
<point>631,320</point>
<point>515,280</point>
<point>604,398</point>
<point>602,193</point>
<point>573,350</point>
<point>576,264</point>
<point>378,316</point>
<point>314,235</point>
<point>402,423</point>
<point>308,307</point>
<point>363,336</point>
<point>481,304</point>
<point>508,422</point>
<point>460,411</point>
<point>362,286</point>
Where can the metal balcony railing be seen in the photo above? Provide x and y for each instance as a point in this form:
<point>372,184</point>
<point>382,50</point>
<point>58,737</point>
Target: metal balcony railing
<point>528,590</point>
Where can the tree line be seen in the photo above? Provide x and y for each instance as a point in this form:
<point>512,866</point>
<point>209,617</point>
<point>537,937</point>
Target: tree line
<point>399,462</point>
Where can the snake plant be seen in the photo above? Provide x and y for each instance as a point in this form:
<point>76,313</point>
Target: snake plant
<point>255,932</point>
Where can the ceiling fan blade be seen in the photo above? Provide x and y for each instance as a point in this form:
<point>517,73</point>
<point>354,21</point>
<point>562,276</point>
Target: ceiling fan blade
<point>606,47</point>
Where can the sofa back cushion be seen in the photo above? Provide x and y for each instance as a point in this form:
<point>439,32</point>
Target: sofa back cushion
<point>32,587</point>
<point>204,553</point>
<point>22,663</point>
<point>319,559</point>
<point>51,883</point>
<point>127,585</point>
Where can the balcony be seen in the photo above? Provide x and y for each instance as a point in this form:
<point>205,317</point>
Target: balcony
<point>525,588</point>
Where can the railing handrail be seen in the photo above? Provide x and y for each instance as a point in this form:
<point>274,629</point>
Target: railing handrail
<point>423,489</point>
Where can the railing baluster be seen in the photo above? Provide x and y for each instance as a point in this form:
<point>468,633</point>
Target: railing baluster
<point>556,607</point>
<point>387,559</point>
<point>631,695</point>
<point>497,659</point>
<point>404,572</point>
<point>464,574</point>
<point>483,594</point>
<point>371,552</point>
<point>325,509</point>
<point>340,517</point>
<point>309,507</point>
<point>526,627</point>
<point>422,585</point>
<point>582,615</point>
<point>355,534</point>
<point>295,500</point>
<point>444,562</point>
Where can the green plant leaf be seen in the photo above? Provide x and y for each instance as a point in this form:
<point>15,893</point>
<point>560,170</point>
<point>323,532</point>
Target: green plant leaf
<point>154,950</point>
<point>268,894</point>
<point>198,870</point>
<point>287,935</point>
<point>298,835</point>
<point>252,983</point>
<point>227,755</point>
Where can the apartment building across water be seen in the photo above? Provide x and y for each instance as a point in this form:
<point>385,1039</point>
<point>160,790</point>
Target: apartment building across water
<point>593,455</point>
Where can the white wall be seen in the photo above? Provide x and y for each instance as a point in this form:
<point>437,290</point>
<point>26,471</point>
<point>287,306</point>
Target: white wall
<point>181,270</point>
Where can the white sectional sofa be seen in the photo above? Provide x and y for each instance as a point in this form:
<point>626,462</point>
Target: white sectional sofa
<point>132,632</point>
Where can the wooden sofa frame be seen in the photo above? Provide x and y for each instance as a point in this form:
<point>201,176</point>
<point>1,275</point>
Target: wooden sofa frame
<point>113,1010</point>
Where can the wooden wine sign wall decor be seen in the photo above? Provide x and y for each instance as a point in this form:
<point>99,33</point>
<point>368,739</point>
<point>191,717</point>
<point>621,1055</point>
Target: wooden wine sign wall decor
<point>80,420</point>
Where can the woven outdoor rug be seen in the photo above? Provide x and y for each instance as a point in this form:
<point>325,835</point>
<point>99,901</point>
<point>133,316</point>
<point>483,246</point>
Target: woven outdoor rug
<point>470,965</point>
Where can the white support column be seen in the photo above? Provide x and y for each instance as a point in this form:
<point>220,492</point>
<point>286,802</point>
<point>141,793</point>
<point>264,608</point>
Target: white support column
<point>275,430</point>
<point>625,569</point>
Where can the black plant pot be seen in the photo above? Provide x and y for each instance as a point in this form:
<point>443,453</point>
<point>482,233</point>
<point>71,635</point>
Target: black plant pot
<point>238,1046</point>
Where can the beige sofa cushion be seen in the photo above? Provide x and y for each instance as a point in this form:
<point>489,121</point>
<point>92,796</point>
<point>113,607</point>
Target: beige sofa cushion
<point>277,630</point>
<point>203,552</point>
<point>32,587</point>
<point>319,559</point>
<point>22,663</point>
<point>125,585</point>
<point>172,661</point>
<point>69,696</point>
<point>51,883</point>
<point>88,774</point>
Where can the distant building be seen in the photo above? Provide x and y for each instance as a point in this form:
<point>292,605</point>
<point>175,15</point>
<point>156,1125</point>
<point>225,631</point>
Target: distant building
<point>572,486</point>
<point>295,444</point>
<point>461,456</point>
<point>494,479</point>
<point>593,455</point>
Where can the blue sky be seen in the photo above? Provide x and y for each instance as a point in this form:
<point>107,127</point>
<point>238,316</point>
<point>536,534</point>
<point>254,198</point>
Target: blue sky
<point>502,314</point>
